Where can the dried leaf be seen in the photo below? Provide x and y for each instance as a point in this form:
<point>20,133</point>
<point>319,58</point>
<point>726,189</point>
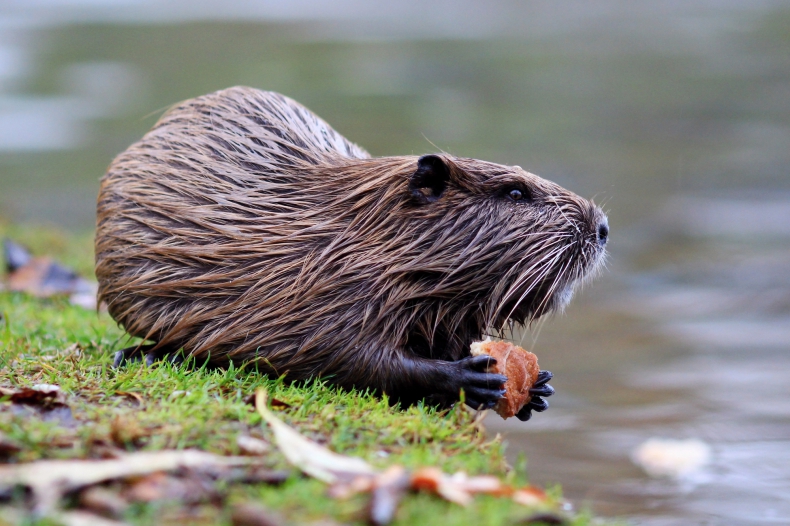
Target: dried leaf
<point>8,447</point>
<point>529,496</point>
<point>313,459</point>
<point>43,400</point>
<point>125,431</point>
<point>487,484</point>
<point>84,518</point>
<point>279,404</point>
<point>432,480</point>
<point>252,446</point>
<point>49,480</point>
<point>134,396</point>
<point>346,488</point>
<point>253,515</point>
<point>43,277</point>
<point>103,501</point>
<point>45,395</point>
<point>192,487</point>
<point>389,488</point>
<point>274,403</point>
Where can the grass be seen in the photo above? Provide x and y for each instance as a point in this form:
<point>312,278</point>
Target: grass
<point>141,408</point>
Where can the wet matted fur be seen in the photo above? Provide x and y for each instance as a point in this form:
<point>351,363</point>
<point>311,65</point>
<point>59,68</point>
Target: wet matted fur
<point>243,227</point>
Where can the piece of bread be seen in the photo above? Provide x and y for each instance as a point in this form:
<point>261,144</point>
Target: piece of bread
<point>519,365</point>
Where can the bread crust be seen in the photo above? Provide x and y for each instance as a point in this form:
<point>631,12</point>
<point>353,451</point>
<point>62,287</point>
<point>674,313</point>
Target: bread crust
<point>519,365</point>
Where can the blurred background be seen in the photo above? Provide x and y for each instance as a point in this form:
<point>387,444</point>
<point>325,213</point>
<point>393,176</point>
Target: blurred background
<point>675,115</point>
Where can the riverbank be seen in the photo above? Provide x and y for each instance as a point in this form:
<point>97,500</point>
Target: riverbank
<point>106,411</point>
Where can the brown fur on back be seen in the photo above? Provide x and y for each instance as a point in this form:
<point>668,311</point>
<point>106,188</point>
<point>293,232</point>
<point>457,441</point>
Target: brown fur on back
<point>242,227</point>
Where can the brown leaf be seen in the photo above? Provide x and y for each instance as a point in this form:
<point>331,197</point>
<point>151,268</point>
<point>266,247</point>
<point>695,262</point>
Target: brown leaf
<point>460,487</point>
<point>126,432</point>
<point>279,404</point>
<point>248,514</point>
<point>44,395</point>
<point>8,447</point>
<point>134,396</point>
<point>389,488</point>
<point>185,485</point>
<point>348,487</point>
<point>432,480</point>
<point>529,496</point>
<point>275,403</point>
<point>101,448</point>
<point>44,277</point>
<point>103,501</point>
<point>42,400</point>
<point>252,446</point>
<point>84,518</point>
<point>49,480</point>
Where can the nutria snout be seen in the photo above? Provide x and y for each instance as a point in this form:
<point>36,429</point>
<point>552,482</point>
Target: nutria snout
<point>244,228</point>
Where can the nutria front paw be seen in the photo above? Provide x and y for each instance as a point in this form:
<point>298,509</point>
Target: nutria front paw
<point>536,403</point>
<point>481,389</point>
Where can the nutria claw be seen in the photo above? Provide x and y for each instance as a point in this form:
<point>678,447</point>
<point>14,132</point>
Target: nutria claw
<point>541,387</point>
<point>152,355</point>
<point>543,377</point>
<point>482,389</point>
<point>536,403</point>
<point>131,354</point>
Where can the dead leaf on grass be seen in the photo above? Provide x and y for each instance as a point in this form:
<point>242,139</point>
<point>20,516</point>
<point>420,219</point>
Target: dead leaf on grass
<point>49,480</point>
<point>252,446</point>
<point>125,432</point>
<point>8,447</point>
<point>279,404</point>
<point>43,277</point>
<point>43,395</point>
<point>529,496</point>
<point>274,403</point>
<point>42,400</point>
<point>249,514</point>
<point>134,396</point>
<point>84,518</point>
<point>103,501</point>
<point>190,487</point>
<point>388,490</point>
<point>313,459</point>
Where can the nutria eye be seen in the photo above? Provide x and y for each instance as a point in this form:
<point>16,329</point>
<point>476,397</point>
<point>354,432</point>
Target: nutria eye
<point>515,194</point>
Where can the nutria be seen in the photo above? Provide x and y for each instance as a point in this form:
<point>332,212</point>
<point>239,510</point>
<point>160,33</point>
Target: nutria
<point>243,228</point>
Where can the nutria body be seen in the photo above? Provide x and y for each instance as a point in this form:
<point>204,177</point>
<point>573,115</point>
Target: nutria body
<point>242,227</point>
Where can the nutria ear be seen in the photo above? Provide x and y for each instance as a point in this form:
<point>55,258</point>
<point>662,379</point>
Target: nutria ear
<point>429,182</point>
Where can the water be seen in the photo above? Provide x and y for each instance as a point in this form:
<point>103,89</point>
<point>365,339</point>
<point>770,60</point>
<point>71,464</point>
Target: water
<point>675,115</point>
<point>695,347</point>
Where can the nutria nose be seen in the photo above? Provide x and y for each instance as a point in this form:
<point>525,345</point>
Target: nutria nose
<point>603,232</point>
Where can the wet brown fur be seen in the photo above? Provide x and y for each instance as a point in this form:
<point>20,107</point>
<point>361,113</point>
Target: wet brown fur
<point>242,227</point>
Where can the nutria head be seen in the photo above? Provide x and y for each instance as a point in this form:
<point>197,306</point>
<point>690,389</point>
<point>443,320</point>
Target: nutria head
<point>458,247</point>
<point>536,239</point>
